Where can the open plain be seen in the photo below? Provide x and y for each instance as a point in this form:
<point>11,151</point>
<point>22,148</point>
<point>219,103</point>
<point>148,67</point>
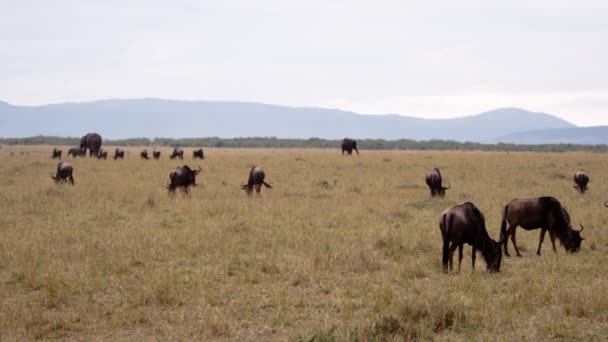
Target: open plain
<point>341,248</point>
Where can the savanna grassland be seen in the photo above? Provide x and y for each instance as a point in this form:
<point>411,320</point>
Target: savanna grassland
<point>342,248</point>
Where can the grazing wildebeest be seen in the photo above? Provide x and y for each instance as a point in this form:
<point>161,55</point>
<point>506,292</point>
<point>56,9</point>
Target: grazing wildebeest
<point>118,153</point>
<point>76,151</point>
<point>255,181</point>
<point>156,154</point>
<point>198,154</point>
<point>466,224</point>
<point>91,141</point>
<point>177,153</point>
<point>182,177</point>
<point>433,180</point>
<point>102,154</point>
<point>348,145</point>
<point>545,213</point>
<point>144,154</point>
<point>64,173</point>
<point>56,153</point>
<point>580,181</point>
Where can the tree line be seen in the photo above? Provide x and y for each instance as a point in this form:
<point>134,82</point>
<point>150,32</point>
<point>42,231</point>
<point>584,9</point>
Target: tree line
<point>273,142</point>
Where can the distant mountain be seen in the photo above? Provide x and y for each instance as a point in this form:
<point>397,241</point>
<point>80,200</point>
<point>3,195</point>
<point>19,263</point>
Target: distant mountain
<point>577,135</point>
<point>177,119</point>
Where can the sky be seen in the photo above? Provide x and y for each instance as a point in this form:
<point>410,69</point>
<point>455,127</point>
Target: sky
<point>433,59</point>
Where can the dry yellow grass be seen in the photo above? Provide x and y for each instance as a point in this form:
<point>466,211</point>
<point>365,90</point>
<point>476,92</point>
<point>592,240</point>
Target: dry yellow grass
<point>340,249</point>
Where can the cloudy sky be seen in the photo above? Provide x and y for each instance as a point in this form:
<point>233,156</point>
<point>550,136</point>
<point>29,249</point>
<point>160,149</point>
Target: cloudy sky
<point>420,58</point>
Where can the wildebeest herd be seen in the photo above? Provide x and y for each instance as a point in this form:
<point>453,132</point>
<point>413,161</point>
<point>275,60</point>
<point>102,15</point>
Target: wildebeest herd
<point>459,225</point>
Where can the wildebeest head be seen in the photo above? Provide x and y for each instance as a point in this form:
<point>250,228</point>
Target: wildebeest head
<point>574,240</point>
<point>494,255</point>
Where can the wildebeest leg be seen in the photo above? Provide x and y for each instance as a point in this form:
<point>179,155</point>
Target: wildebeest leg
<point>552,237</point>
<point>512,232</point>
<point>540,242</point>
<point>473,257</point>
<point>71,180</point>
<point>258,187</point>
<point>460,247</point>
<point>452,250</point>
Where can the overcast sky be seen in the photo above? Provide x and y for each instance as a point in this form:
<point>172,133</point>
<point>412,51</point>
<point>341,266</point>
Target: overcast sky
<point>420,58</point>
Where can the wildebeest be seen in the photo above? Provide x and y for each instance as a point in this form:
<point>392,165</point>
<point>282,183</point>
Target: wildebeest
<point>91,141</point>
<point>64,173</point>
<point>198,154</point>
<point>56,153</point>
<point>118,153</point>
<point>102,154</point>
<point>466,224</point>
<point>177,153</point>
<point>255,181</point>
<point>545,213</point>
<point>182,177</point>
<point>433,180</point>
<point>606,204</point>
<point>348,145</point>
<point>580,181</point>
<point>144,154</point>
<point>76,151</point>
<point>156,154</point>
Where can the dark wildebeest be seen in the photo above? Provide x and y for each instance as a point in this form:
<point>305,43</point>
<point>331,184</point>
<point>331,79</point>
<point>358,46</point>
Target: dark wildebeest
<point>580,181</point>
<point>255,181</point>
<point>91,141</point>
<point>64,173</point>
<point>177,153</point>
<point>348,145</point>
<point>118,153</point>
<point>156,154</point>
<point>466,224</point>
<point>102,154</point>
<point>545,213</point>
<point>144,154</point>
<point>182,177</point>
<point>198,154</point>
<point>433,180</point>
<point>76,151</point>
<point>56,153</point>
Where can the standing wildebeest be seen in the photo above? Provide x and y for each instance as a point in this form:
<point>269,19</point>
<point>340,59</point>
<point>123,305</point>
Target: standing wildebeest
<point>156,154</point>
<point>433,180</point>
<point>348,145</point>
<point>580,181</point>
<point>255,181</point>
<point>144,154</point>
<point>465,224</point>
<point>56,153</point>
<point>64,173</point>
<point>118,153</point>
<point>198,154</point>
<point>102,154</point>
<point>177,153</point>
<point>545,213</point>
<point>76,151</point>
<point>91,141</point>
<point>182,177</point>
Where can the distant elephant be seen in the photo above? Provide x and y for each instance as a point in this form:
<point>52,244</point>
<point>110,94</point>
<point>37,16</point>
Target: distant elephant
<point>91,141</point>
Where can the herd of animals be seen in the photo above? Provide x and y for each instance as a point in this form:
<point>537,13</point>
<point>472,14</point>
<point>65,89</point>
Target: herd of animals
<point>460,224</point>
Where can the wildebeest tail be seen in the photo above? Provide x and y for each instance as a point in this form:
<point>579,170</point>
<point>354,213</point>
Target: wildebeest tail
<point>503,224</point>
<point>266,185</point>
<point>444,226</point>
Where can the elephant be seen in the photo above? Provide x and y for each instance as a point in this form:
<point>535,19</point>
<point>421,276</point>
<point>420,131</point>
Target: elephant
<point>91,141</point>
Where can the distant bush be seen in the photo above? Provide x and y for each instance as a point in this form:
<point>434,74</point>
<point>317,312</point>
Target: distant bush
<point>273,142</point>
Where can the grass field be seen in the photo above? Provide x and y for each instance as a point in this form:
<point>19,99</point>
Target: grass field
<point>340,249</point>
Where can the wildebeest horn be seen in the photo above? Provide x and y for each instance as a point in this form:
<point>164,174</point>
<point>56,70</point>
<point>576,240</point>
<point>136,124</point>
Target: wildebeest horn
<point>581,228</point>
<point>199,169</point>
<point>502,239</point>
<point>449,186</point>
